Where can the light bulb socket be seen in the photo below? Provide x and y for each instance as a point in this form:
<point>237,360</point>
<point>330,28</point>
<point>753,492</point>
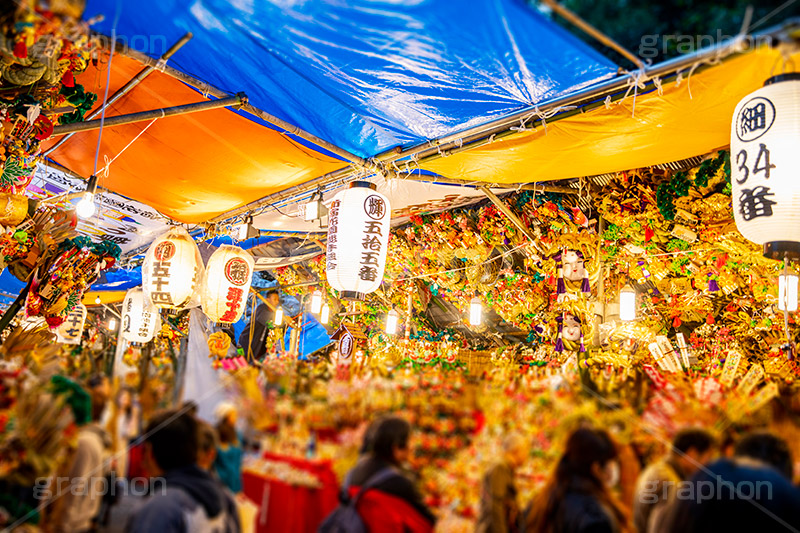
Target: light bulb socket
<point>91,184</point>
<point>780,250</point>
<point>363,184</point>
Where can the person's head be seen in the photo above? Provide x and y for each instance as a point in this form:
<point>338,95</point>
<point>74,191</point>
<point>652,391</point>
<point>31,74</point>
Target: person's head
<point>591,456</point>
<point>226,416</point>
<point>515,449</point>
<point>274,298</point>
<point>207,445</point>
<point>390,439</point>
<point>191,407</point>
<point>99,392</point>
<point>170,441</point>
<point>125,398</point>
<point>589,463</point>
<point>692,448</point>
<point>768,449</point>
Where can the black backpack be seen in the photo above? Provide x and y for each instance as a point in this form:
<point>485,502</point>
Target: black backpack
<point>345,518</point>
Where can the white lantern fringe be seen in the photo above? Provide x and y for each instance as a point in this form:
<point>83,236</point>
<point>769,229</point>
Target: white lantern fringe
<point>228,276</point>
<point>173,271</point>
<point>358,238</point>
<point>140,318</point>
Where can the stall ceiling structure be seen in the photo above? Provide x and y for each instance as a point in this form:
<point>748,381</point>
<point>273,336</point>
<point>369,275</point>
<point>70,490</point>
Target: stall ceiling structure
<point>366,76</point>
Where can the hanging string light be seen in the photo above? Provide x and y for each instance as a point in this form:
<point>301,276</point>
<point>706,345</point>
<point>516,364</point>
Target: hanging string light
<point>86,207</point>
<point>475,311</point>
<point>392,319</point>
<point>627,303</point>
<point>325,315</point>
<point>316,302</point>
<point>787,290</point>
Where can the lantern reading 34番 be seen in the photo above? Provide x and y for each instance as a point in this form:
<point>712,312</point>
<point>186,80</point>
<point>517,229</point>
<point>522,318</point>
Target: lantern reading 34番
<point>172,270</point>
<point>764,164</point>
<point>358,238</point>
<point>140,318</point>
<point>227,281</point>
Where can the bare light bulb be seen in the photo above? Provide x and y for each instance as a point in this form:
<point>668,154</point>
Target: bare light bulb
<point>475,311</point>
<point>325,316</point>
<point>627,304</point>
<point>279,315</point>
<point>787,292</point>
<point>86,207</point>
<point>316,302</point>
<point>391,321</point>
<point>97,300</point>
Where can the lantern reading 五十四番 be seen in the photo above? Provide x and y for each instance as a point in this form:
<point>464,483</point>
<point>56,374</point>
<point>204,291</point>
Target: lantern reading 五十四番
<point>172,270</point>
<point>229,274</point>
<point>358,238</point>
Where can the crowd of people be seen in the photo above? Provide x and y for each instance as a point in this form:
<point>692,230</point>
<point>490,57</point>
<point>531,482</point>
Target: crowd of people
<point>598,485</point>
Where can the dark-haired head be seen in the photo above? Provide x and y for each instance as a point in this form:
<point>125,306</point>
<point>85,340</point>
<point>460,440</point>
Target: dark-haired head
<point>586,465</point>
<point>692,448</point>
<point>768,449</point>
<point>388,439</point>
<point>171,440</point>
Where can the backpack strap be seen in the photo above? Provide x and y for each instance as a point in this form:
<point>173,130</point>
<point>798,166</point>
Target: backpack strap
<point>375,479</point>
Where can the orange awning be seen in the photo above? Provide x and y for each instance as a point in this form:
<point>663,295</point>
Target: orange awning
<point>189,167</point>
<point>689,119</point>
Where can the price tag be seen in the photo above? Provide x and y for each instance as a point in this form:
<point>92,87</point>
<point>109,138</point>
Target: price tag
<point>730,368</point>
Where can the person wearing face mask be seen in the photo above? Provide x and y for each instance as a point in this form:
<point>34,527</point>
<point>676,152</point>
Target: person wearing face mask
<point>578,496</point>
<point>656,487</point>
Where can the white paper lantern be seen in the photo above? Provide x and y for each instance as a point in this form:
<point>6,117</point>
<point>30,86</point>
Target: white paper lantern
<point>765,160</point>
<point>140,318</point>
<point>172,270</point>
<point>358,238</point>
<point>229,274</point>
<point>71,330</point>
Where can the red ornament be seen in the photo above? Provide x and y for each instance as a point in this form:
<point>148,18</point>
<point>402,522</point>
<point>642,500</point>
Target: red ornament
<point>21,50</point>
<point>68,79</point>
<point>648,234</point>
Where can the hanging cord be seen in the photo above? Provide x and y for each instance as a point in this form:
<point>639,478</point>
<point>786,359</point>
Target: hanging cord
<point>104,170</point>
<point>108,82</point>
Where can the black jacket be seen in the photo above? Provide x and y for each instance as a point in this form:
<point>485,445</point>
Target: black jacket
<point>399,485</point>
<point>258,323</point>
<point>581,512</point>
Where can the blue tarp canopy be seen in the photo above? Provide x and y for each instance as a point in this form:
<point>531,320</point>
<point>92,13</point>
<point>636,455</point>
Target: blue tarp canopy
<point>366,75</point>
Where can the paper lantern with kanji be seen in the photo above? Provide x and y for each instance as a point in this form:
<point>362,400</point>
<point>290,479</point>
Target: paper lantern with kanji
<point>765,161</point>
<point>358,238</point>
<point>140,318</point>
<point>70,331</point>
<point>227,281</point>
<point>172,271</point>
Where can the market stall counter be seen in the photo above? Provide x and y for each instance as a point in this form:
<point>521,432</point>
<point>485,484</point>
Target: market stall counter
<point>294,494</point>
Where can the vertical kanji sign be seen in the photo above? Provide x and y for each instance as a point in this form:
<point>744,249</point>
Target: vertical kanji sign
<point>765,133</point>
<point>358,239</point>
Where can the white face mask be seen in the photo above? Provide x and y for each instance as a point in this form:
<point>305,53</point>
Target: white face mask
<point>612,474</point>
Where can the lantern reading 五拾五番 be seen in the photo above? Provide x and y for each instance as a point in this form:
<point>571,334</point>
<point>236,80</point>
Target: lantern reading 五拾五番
<point>70,331</point>
<point>172,270</point>
<point>140,318</point>
<point>764,161</point>
<point>358,238</point>
<point>229,274</point>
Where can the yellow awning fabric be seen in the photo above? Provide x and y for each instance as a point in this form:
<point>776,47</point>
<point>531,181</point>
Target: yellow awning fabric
<point>106,297</point>
<point>690,118</point>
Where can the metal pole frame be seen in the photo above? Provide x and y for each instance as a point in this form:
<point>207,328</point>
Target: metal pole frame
<point>121,120</point>
<point>585,99</point>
